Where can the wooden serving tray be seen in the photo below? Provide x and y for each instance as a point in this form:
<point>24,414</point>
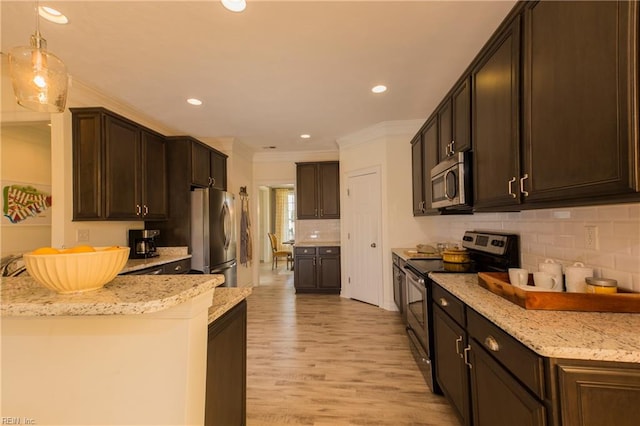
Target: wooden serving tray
<point>498,283</point>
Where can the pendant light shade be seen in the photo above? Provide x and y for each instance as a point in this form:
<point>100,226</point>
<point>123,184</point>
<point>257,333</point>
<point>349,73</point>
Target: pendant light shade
<point>40,79</point>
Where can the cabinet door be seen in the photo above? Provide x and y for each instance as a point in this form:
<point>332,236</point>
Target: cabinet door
<point>200,165</point>
<point>461,105</point>
<point>429,161</point>
<point>417,177</point>
<point>598,395</point>
<point>329,191</point>
<point>579,90</point>
<point>495,122</point>
<point>498,398</point>
<point>304,272</point>
<point>87,166</point>
<point>329,272</point>
<point>225,402</point>
<point>445,123</point>
<point>218,172</point>
<point>154,177</point>
<point>307,191</point>
<point>123,189</point>
<point>451,370</point>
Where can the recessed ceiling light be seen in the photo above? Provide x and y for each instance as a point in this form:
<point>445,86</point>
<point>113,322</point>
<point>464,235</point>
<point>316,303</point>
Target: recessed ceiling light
<point>234,5</point>
<point>52,15</point>
<point>194,101</point>
<point>305,136</point>
<point>379,88</point>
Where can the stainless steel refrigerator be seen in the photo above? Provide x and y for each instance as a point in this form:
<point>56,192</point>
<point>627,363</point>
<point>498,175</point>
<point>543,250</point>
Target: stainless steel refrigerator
<point>213,234</point>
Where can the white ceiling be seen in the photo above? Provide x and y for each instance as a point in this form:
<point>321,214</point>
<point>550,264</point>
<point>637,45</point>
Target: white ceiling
<point>272,72</point>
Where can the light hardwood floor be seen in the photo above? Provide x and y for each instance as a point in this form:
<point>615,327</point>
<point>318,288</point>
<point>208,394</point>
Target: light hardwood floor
<point>326,360</point>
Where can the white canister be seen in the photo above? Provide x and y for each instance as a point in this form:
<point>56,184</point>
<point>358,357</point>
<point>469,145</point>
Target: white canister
<point>553,268</point>
<point>575,277</point>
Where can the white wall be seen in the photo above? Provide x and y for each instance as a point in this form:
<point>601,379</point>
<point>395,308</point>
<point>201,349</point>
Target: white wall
<point>26,159</point>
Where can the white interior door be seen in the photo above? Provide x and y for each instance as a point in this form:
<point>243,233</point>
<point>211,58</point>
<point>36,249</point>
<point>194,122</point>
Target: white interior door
<point>363,237</point>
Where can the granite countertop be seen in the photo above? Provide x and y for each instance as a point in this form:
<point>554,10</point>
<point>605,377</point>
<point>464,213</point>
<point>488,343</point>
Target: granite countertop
<point>317,244</point>
<point>555,334</point>
<point>225,298</point>
<point>166,255</point>
<point>411,253</point>
<point>125,295</point>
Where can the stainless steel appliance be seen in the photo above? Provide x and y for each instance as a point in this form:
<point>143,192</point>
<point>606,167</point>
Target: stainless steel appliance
<point>142,243</point>
<point>488,251</point>
<point>213,234</point>
<point>451,183</point>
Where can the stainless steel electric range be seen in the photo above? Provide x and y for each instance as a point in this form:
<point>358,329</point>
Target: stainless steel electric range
<point>488,251</point>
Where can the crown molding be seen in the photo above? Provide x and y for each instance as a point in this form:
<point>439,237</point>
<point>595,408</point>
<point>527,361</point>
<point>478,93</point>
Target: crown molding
<point>296,156</point>
<point>383,129</point>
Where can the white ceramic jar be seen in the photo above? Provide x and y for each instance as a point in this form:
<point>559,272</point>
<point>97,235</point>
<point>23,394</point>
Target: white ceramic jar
<point>575,277</point>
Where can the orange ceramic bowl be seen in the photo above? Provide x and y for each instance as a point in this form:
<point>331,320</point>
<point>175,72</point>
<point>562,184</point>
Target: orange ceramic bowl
<point>76,272</point>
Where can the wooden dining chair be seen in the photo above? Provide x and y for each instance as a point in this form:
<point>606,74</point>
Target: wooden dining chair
<point>279,254</point>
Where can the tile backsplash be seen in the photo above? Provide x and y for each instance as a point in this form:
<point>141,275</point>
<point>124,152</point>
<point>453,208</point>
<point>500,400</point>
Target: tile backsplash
<point>560,234</point>
<point>325,230</point>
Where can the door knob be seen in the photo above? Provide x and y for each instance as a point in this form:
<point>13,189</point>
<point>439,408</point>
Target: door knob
<point>373,245</point>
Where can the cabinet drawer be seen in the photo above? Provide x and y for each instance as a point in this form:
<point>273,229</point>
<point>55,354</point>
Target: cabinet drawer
<point>328,250</point>
<point>521,361</point>
<point>178,267</point>
<point>304,250</point>
<point>449,303</point>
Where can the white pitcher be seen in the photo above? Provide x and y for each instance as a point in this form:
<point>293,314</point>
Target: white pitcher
<point>553,268</point>
<point>575,277</point>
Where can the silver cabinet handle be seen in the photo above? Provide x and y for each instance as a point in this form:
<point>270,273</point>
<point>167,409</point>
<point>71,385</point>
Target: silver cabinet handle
<point>315,212</point>
<point>522,179</point>
<point>511,182</point>
<point>213,181</point>
<point>321,212</point>
<point>138,210</point>
<point>146,210</point>
<point>458,341</point>
<point>466,356</point>
<point>491,343</point>
<point>178,268</point>
<point>443,302</point>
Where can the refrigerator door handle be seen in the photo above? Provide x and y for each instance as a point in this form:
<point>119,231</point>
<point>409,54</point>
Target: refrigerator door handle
<point>226,223</point>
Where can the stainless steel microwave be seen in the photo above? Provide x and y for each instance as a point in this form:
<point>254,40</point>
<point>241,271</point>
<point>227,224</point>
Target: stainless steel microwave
<point>451,182</point>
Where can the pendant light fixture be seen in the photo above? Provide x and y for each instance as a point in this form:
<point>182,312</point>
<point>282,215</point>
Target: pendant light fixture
<point>39,77</point>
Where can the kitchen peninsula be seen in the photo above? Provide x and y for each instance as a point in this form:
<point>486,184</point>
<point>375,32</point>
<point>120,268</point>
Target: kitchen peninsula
<point>133,352</point>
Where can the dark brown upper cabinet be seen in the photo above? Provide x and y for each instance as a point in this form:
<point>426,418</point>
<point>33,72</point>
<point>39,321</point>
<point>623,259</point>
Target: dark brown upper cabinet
<point>318,190</point>
<point>424,156</point>
<point>454,120</point>
<point>119,168</point>
<point>496,121</point>
<point>208,167</point>
<point>580,100</point>
<point>578,143</point>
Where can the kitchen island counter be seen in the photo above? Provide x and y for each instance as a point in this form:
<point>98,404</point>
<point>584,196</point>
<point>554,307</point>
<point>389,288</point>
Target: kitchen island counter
<point>133,352</point>
<point>125,295</point>
<point>554,334</point>
<point>226,298</point>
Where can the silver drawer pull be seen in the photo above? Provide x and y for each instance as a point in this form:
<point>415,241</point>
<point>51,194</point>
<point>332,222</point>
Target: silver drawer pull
<point>466,356</point>
<point>491,343</point>
<point>177,268</point>
<point>458,341</point>
<point>329,251</point>
<point>443,302</point>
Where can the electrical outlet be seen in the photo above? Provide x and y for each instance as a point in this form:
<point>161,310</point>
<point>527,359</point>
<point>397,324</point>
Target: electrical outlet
<point>591,237</point>
<point>82,235</point>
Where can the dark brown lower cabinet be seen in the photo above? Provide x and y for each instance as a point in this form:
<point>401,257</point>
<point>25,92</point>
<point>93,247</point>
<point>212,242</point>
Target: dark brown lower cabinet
<point>498,398</point>
<point>594,393</point>
<point>225,403</point>
<point>317,269</point>
<point>451,370</point>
